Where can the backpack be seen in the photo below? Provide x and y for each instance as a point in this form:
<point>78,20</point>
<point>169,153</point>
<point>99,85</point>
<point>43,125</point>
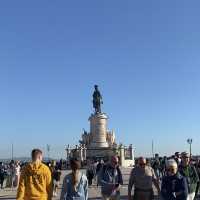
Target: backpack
<point>76,195</point>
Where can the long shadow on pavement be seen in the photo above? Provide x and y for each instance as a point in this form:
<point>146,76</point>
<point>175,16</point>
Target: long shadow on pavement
<point>121,198</point>
<point>99,198</point>
<point>6,197</point>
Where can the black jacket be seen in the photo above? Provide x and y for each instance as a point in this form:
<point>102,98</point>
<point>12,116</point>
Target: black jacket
<point>174,184</point>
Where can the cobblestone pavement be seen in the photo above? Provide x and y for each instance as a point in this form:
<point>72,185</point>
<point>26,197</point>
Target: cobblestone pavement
<point>94,191</point>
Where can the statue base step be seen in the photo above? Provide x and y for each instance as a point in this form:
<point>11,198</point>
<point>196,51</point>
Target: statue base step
<point>105,152</point>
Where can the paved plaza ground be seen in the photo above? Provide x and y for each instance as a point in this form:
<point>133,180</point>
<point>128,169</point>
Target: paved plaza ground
<point>94,192</point>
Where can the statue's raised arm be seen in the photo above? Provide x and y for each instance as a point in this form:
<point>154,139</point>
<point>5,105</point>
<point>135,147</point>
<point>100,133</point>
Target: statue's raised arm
<point>97,100</point>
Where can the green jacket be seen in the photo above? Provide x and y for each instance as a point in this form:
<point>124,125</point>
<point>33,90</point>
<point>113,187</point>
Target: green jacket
<point>190,173</point>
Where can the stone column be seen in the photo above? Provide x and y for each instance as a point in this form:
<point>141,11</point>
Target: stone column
<point>131,151</point>
<point>81,153</point>
<point>98,130</point>
<point>84,153</point>
<point>122,156</point>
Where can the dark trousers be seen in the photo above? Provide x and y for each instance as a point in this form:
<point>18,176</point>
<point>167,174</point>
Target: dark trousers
<point>90,176</point>
<point>1,181</point>
<point>140,194</point>
<point>197,188</point>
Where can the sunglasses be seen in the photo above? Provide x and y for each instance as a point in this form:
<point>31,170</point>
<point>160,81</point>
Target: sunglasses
<point>171,170</point>
<point>142,164</point>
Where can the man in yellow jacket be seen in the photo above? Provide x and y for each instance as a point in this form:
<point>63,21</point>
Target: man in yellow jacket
<point>35,181</point>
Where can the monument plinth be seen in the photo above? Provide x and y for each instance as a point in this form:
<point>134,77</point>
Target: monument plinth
<point>98,130</point>
<point>99,142</point>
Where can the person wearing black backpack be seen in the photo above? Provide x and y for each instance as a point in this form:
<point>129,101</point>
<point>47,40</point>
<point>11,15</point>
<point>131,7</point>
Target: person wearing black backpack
<point>111,180</point>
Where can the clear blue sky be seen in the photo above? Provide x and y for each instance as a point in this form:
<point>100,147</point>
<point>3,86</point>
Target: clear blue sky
<point>143,54</point>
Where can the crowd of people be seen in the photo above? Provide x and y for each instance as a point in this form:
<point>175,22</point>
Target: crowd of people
<point>173,178</point>
<point>176,178</point>
<point>9,174</point>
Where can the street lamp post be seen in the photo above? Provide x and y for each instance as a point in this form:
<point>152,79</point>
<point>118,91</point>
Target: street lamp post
<point>12,151</point>
<point>189,141</point>
<point>48,151</point>
<point>152,148</point>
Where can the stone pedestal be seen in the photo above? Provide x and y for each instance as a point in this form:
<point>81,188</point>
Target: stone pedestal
<point>126,162</point>
<point>98,130</point>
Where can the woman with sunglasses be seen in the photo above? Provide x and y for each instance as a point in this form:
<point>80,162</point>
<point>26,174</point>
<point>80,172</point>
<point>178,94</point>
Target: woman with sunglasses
<point>174,185</point>
<point>143,178</point>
